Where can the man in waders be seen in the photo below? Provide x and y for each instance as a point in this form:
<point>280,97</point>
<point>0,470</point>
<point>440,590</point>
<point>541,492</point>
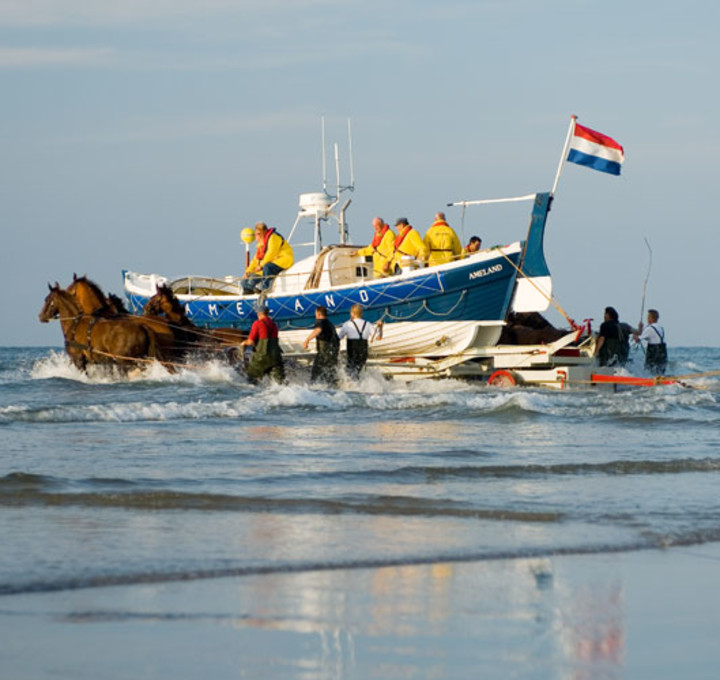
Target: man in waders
<point>358,332</point>
<point>655,349</point>
<point>613,342</point>
<point>324,367</point>
<point>267,357</point>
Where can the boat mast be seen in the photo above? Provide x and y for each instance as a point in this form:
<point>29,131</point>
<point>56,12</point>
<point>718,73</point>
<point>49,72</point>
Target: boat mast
<point>322,142</point>
<point>321,206</point>
<point>351,187</point>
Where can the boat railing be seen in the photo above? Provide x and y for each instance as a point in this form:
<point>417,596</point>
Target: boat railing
<point>336,267</point>
<point>333,267</point>
<point>203,285</point>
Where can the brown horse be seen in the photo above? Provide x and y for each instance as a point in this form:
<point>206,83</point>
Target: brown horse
<point>529,328</point>
<point>93,300</point>
<point>97,340</point>
<point>116,304</point>
<point>164,303</point>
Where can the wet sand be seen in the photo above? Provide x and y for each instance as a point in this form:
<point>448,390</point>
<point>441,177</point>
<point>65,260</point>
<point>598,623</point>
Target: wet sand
<point>647,614</point>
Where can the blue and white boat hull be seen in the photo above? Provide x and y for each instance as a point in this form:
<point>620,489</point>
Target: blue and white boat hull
<point>434,311</point>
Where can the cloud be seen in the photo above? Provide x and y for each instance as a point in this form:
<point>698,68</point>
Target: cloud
<point>99,12</point>
<point>143,129</point>
<point>251,56</point>
<point>31,57</point>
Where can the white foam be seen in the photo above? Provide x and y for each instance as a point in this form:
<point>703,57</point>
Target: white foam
<point>666,399</point>
<point>372,392</point>
<point>133,412</point>
<point>295,396</point>
<point>58,365</point>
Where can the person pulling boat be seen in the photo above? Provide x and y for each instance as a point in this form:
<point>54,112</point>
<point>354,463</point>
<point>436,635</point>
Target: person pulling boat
<point>654,336</point>
<point>267,356</point>
<point>327,343</point>
<point>358,333</point>
<point>613,343</point>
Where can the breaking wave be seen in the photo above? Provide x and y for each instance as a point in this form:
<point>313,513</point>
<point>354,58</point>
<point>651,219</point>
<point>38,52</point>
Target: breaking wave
<point>215,391</point>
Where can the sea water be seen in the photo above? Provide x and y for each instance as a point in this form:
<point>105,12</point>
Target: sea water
<point>172,478</point>
<point>160,477</point>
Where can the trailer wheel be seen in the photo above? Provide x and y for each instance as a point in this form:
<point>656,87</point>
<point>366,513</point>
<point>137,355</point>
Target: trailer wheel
<point>502,379</point>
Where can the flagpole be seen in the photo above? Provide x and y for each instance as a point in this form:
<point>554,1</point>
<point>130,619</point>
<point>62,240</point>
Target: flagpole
<point>563,156</point>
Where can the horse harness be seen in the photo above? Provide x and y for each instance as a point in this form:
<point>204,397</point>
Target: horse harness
<point>74,344</point>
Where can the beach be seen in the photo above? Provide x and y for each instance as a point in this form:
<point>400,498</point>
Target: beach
<point>642,614</point>
<point>192,525</point>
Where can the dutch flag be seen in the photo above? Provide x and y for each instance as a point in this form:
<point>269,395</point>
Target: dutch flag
<point>595,150</point>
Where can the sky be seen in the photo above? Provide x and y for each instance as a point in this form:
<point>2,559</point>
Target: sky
<point>146,134</point>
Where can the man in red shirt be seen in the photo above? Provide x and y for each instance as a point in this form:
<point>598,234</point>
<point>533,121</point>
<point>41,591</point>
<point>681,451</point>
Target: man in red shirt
<point>267,357</point>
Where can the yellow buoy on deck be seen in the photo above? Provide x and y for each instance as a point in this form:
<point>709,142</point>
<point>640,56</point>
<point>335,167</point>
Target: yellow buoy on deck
<point>247,235</point>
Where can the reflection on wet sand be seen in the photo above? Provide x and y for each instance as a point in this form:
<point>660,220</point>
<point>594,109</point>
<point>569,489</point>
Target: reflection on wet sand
<point>406,618</point>
<point>574,618</point>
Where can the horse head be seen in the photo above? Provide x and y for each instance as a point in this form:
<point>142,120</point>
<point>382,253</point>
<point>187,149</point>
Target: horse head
<point>165,303</point>
<point>153,307</point>
<point>116,305</point>
<point>89,295</point>
<point>50,308</point>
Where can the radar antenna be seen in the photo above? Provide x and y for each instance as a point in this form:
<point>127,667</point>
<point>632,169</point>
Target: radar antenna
<point>321,206</point>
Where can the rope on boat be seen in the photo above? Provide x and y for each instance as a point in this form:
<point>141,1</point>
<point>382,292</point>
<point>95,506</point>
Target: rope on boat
<point>425,307</point>
<point>692,376</point>
<point>550,298</point>
<point>387,314</point>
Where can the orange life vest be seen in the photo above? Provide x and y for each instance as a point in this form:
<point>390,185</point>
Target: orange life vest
<point>260,254</point>
<point>377,239</point>
<point>401,237</point>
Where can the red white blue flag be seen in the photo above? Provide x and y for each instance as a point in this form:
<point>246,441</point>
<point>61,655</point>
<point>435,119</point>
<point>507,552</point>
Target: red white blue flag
<point>595,150</point>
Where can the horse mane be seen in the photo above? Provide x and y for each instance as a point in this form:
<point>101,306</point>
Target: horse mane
<point>117,303</point>
<point>91,284</point>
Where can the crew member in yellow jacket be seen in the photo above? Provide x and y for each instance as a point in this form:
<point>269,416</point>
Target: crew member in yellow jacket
<point>442,242</point>
<point>273,255</point>
<point>381,248</point>
<point>474,245</point>
<point>407,243</point>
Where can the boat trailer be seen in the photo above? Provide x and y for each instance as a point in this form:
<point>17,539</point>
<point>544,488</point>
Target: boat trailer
<point>556,365</point>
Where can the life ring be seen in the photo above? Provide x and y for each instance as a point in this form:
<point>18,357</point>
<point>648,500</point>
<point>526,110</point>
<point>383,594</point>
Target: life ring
<point>502,378</point>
